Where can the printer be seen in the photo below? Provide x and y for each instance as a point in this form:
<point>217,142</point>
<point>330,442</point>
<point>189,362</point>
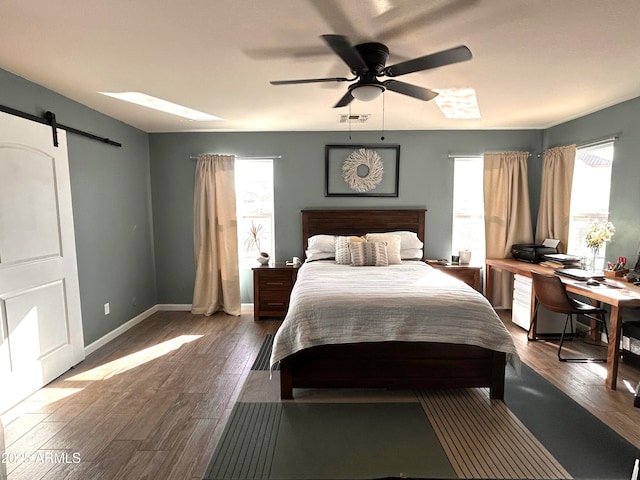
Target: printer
<point>531,252</point>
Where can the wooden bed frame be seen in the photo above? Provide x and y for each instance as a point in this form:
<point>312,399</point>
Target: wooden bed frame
<point>386,364</point>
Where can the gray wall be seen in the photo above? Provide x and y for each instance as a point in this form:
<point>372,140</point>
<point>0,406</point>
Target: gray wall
<point>621,120</point>
<point>426,180</point>
<point>111,194</point>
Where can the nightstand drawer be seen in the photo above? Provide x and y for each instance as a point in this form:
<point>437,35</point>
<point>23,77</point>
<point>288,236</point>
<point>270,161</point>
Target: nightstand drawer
<point>273,304</point>
<point>276,280</point>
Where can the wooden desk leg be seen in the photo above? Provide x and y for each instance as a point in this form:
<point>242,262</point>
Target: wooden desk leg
<point>594,325</point>
<point>613,349</point>
<point>488,286</point>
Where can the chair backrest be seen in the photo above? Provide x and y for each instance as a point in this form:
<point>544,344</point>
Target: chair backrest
<point>551,293</point>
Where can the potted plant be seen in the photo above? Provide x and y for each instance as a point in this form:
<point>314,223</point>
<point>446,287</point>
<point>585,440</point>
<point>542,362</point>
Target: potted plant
<point>256,233</point>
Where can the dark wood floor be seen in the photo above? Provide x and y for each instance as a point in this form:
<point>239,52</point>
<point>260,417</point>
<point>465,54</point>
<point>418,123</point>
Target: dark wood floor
<point>153,402</point>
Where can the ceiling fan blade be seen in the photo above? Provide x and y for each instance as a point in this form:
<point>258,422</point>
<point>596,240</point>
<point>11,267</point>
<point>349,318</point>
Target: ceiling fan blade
<point>332,12</point>
<point>434,60</point>
<point>311,80</point>
<point>410,90</point>
<point>343,48</point>
<point>344,101</point>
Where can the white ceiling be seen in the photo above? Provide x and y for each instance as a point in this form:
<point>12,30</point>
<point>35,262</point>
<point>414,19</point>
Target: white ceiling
<point>536,63</point>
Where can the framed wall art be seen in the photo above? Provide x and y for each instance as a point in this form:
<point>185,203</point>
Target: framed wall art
<point>362,170</point>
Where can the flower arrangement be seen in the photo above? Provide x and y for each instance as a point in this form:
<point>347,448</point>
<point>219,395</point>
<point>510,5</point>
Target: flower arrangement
<point>598,233</point>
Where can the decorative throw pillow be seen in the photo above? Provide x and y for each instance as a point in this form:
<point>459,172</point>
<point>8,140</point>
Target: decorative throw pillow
<point>343,255</point>
<point>393,245</point>
<point>369,254</point>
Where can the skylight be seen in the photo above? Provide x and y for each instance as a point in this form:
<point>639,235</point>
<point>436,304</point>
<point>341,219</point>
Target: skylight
<point>458,103</point>
<point>162,105</point>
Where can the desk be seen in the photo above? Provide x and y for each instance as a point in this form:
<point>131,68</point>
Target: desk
<point>616,298</point>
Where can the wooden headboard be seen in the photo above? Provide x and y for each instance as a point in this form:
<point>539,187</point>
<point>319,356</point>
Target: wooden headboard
<point>361,221</point>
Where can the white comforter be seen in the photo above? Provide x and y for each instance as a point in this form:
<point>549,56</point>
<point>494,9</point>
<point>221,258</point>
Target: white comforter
<point>333,303</point>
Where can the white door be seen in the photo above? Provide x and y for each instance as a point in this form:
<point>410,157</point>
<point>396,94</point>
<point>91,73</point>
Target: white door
<point>40,317</point>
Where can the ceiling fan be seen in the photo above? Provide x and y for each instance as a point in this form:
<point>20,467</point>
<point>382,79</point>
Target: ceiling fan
<point>367,62</point>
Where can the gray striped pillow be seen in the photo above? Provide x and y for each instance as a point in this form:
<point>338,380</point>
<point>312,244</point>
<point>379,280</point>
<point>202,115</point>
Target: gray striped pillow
<point>342,242</point>
<point>369,254</point>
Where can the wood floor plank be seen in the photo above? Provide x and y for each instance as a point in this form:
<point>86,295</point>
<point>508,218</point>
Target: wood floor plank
<point>26,448</point>
<point>149,464</point>
<point>143,425</point>
<point>89,438</point>
<point>112,460</point>
<point>197,452</point>
<point>21,426</point>
<point>176,424</point>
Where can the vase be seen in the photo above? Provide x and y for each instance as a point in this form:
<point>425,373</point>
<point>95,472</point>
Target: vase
<point>595,251</point>
<point>264,258</point>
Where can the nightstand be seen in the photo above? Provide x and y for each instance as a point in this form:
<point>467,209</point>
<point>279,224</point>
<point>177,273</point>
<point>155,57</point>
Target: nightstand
<point>468,274</point>
<point>272,286</point>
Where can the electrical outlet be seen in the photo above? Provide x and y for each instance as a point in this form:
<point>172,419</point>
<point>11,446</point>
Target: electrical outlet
<point>106,308</point>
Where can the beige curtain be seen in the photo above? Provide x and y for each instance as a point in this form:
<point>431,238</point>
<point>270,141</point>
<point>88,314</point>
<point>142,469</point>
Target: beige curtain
<point>555,195</point>
<point>215,239</point>
<point>507,214</point>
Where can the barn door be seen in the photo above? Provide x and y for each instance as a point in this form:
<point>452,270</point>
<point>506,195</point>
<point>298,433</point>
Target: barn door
<point>40,317</point>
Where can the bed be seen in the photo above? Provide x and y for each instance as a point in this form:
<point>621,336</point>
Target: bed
<point>386,327</point>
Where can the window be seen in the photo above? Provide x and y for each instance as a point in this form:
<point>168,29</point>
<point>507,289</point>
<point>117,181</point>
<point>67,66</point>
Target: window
<point>468,208</point>
<point>254,209</point>
<point>589,197</point>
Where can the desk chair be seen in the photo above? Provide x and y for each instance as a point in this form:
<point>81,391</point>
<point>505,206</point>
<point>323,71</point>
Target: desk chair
<point>552,295</point>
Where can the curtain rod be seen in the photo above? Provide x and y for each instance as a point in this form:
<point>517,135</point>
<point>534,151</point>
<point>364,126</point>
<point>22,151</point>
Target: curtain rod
<point>474,155</point>
<point>593,143</point>
<point>242,157</point>
<point>50,119</point>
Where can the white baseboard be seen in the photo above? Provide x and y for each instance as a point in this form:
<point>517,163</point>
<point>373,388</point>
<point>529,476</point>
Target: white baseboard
<point>92,347</point>
<point>133,322</point>
<point>174,307</point>
<point>161,307</point>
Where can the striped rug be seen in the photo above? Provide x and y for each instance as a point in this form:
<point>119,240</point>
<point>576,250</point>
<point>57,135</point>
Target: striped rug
<point>483,439</point>
<point>365,434</point>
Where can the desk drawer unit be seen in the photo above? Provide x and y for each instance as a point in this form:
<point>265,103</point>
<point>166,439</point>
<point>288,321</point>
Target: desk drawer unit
<point>548,322</point>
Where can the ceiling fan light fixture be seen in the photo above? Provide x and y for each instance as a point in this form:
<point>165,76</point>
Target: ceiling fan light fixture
<point>367,93</point>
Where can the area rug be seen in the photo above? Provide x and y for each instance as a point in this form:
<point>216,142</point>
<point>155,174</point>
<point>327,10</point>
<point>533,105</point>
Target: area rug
<point>536,433</point>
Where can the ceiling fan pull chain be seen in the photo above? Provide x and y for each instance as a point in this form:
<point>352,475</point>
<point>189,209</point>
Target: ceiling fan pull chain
<point>382,137</point>
<point>349,121</point>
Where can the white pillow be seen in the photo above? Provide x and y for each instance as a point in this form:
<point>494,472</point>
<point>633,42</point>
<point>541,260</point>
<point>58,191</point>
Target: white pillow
<point>393,245</point>
<point>411,254</point>
<point>408,240</point>
<point>312,255</point>
<point>321,243</point>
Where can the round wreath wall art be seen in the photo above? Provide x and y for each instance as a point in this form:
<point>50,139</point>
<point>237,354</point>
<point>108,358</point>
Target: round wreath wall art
<point>373,173</point>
